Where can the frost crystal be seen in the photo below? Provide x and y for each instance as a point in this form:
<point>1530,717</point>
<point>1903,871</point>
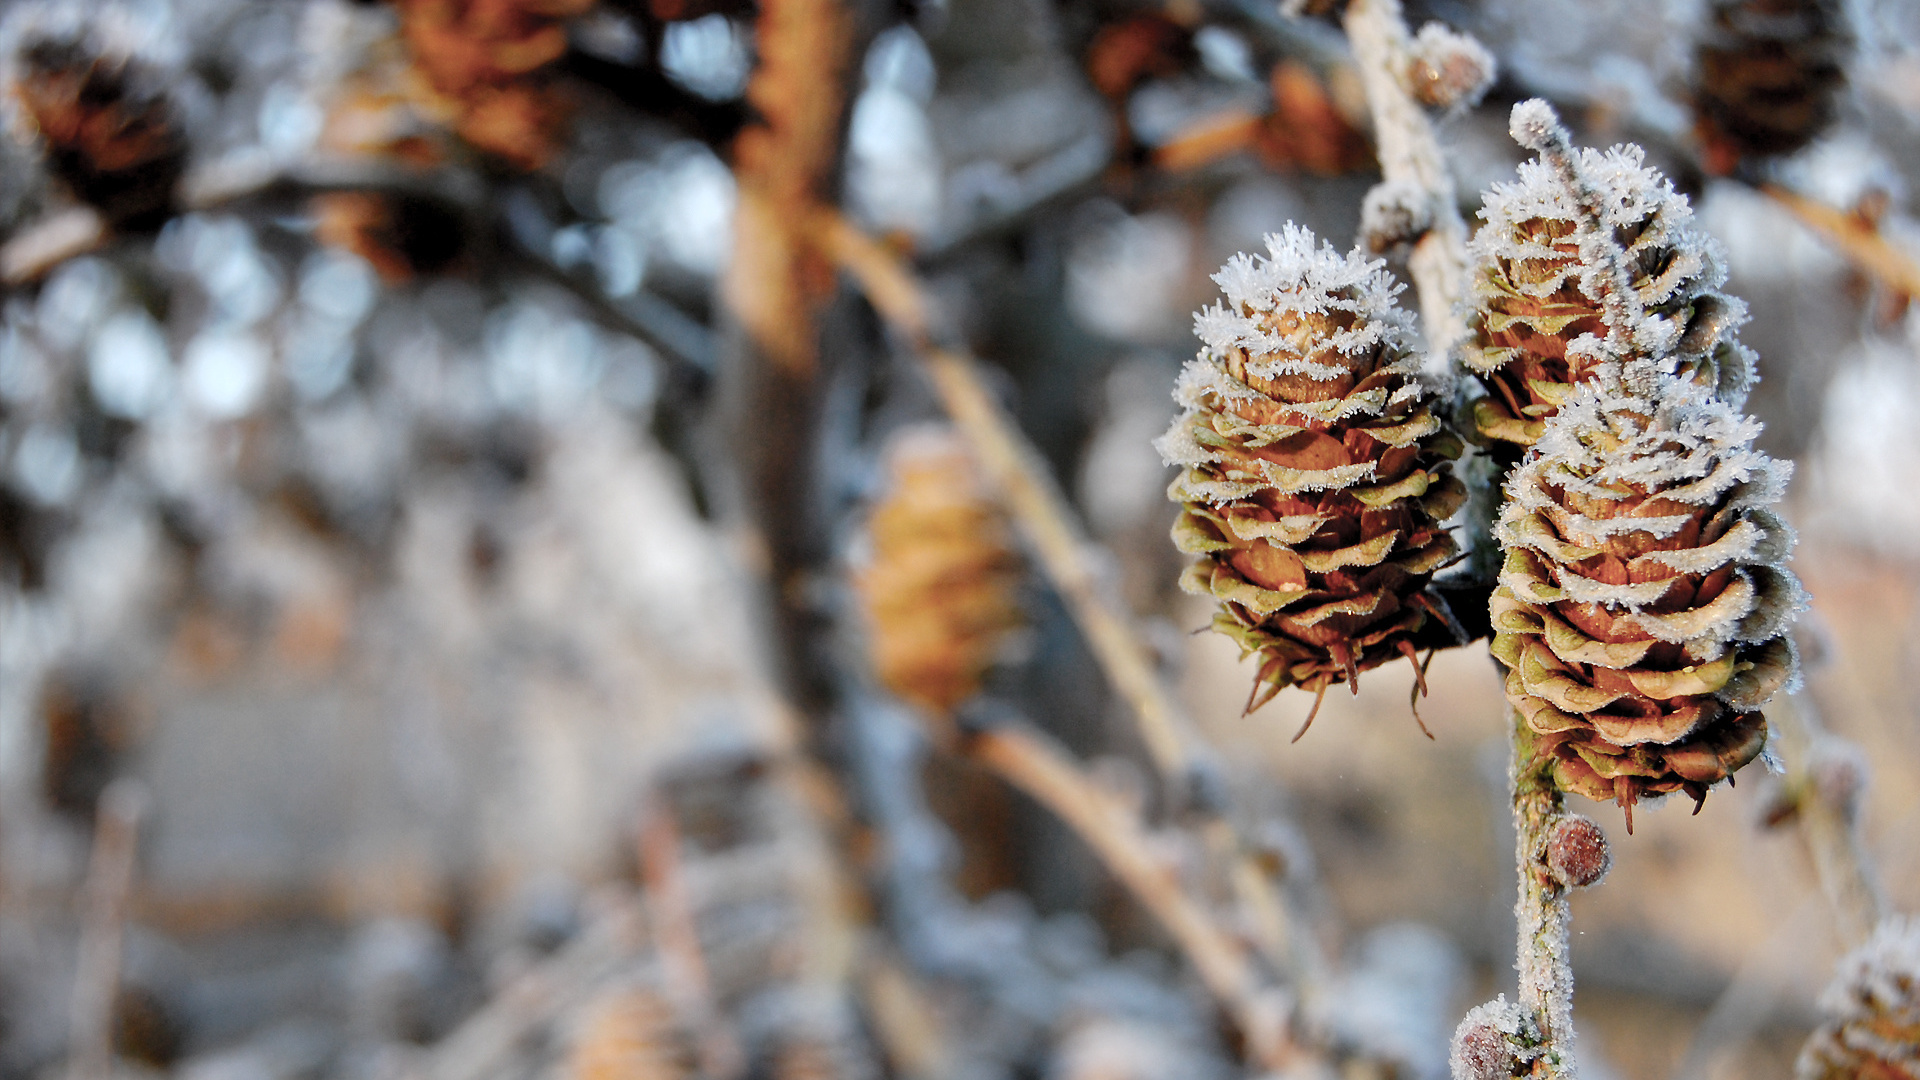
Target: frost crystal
<point>1394,212</point>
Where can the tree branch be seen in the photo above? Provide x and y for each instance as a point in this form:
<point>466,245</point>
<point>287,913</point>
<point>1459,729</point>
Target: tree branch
<point>1410,155</point>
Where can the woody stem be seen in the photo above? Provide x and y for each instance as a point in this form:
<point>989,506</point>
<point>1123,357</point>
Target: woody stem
<point>1543,956</point>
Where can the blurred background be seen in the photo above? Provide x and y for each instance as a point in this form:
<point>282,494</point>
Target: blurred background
<point>482,595</point>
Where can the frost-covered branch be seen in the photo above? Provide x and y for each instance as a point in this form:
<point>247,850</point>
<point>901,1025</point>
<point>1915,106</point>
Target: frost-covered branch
<point>1411,161</point>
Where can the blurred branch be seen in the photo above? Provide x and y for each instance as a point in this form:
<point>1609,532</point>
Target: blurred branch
<point>677,939</point>
<point>537,996</point>
<point>1048,775</point>
<point>1823,794</point>
<point>1017,471</point>
<point>1410,155</point>
<point>96,980</point>
<point>917,1044</point>
<point>1855,236</point>
<point>34,251</point>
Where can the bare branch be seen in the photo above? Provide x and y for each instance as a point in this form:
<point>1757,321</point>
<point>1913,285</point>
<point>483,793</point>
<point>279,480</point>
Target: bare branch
<point>96,982</point>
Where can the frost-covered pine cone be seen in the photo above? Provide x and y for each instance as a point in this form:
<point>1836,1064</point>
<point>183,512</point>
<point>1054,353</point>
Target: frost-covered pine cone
<point>1540,301</point>
<point>1643,606</point>
<point>1873,1009</point>
<point>1315,471</point>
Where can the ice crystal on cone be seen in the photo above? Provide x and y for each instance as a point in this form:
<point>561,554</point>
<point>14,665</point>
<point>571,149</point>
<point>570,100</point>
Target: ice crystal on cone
<point>1643,606</point>
<point>940,586</point>
<point>1548,302</point>
<point>1314,469</point>
<point>1873,1009</point>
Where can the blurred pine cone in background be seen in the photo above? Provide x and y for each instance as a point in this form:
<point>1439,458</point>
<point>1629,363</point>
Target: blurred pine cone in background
<point>1873,1009</point>
<point>1315,471</point>
<point>941,581</point>
<point>1768,73</point>
<point>107,127</point>
<point>1535,296</point>
<point>481,60</point>
<point>1643,607</point>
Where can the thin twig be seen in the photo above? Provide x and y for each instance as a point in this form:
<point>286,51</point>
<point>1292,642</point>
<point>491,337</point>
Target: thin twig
<point>96,982</point>
<point>34,251</point>
<point>917,1044</point>
<point>1051,777</point>
<point>1410,155</point>
<point>537,996</point>
<point>1015,469</point>
<point>1854,236</point>
<point>677,938</point>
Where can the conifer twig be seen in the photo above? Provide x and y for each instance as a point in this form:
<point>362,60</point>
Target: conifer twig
<point>1854,236</point>
<point>1410,156</point>
<point>1014,468</point>
<point>96,982</point>
<point>1048,775</point>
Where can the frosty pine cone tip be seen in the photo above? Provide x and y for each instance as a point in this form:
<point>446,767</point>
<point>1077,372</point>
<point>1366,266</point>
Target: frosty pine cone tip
<point>1547,290</point>
<point>1315,471</point>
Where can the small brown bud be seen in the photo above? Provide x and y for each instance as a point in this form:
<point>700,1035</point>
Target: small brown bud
<point>1577,852</point>
<point>1492,1041</point>
<point>1480,1053</point>
<point>1448,69</point>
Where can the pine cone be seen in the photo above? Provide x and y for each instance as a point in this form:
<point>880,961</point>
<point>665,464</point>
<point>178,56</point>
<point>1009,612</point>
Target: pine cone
<point>1315,471</point>
<point>1642,609</point>
<point>941,586</point>
<point>108,129</point>
<point>1540,302</point>
<point>1768,75</point>
<point>482,59</point>
<point>1874,1007</point>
